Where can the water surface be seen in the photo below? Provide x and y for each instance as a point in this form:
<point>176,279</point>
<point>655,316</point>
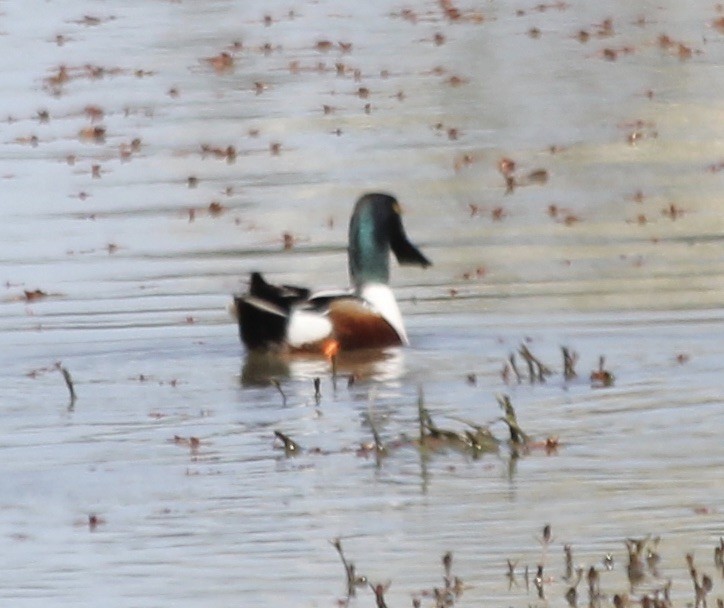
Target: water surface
<point>617,254</point>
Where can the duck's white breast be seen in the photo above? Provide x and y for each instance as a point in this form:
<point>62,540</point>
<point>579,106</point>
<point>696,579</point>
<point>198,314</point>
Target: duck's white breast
<point>382,299</point>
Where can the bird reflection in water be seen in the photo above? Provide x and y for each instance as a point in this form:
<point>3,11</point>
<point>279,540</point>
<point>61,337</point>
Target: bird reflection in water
<point>380,365</point>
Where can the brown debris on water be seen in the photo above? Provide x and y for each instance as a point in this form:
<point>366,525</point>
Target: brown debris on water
<point>601,377</point>
<point>34,295</point>
<point>676,48</point>
<point>95,134</point>
<point>672,211</point>
<point>507,168</point>
<point>456,81</point>
<point>227,153</point>
<point>715,167</point>
<point>288,241</point>
<point>463,160</point>
<point>221,63</point>
<point>94,521</point>
<point>216,209</point>
<point>192,443</point>
<point>456,15</point>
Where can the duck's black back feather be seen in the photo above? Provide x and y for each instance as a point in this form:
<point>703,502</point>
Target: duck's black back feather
<point>263,314</point>
<point>283,296</point>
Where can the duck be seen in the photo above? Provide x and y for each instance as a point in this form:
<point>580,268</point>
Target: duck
<point>287,319</point>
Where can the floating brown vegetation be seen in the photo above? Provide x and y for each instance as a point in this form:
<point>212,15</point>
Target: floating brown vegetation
<point>676,48</point>
<point>227,153</point>
<point>604,29</point>
<point>192,443</point>
<point>456,81</point>
<point>216,209</point>
<point>92,20</point>
<point>93,134</point>
<point>323,45</point>
<point>407,14</point>
<point>29,140</point>
<point>126,150</point>
<point>507,168</point>
<point>682,358</point>
<point>94,521</point>
<point>601,377</point>
<point>672,211</point>
<point>465,159</point>
<point>477,273</point>
<point>34,295</point>
<point>64,74</point>
<point>453,13</point>
<point>221,63</point>
<point>612,54</point>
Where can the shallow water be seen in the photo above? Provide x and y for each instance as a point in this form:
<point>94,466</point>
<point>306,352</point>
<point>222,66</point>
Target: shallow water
<point>617,254</point>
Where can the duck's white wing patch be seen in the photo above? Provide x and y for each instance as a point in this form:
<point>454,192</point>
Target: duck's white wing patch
<point>264,305</point>
<point>382,299</point>
<point>307,327</point>
<point>331,293</point>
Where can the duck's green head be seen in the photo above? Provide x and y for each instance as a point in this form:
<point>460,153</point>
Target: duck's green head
<point>375,228</point>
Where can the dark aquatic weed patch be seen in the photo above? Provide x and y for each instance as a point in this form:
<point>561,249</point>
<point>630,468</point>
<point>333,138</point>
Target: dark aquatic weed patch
<point>537,371</point>
<point>474,440</point>
<point>444,596</point>
<point>646,584</point>
<point>595,585</point>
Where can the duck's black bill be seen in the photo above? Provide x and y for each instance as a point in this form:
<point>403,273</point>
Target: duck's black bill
<point>405,252</point>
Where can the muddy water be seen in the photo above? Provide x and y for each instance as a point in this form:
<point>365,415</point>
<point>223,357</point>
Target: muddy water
<point>613,248</point>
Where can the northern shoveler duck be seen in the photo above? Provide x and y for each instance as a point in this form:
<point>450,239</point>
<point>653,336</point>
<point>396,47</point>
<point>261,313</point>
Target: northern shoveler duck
<point>288,319</point>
